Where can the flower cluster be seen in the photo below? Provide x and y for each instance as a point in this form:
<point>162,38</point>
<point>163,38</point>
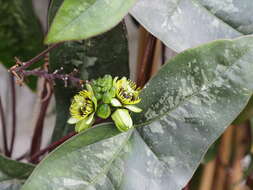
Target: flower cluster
<point>105,97</point>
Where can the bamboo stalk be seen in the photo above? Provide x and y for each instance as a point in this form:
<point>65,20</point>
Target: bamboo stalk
<point>157,59</point>
<point>145,56</point>
<point>241,139</point>
<point>223,160</point>
<point>208,176</point>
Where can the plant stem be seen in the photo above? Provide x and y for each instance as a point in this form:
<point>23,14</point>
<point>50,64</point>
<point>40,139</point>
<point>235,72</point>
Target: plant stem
<point>37,136</point>
<point>23,156</point>
<point>53,76</point>
<point>36,156</point>
<point>25,65</point>
<point>5,142</point>
<point>13,97</point>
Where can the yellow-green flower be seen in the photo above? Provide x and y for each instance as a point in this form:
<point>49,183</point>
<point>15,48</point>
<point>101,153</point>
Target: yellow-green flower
<point>82,105</point>
<point>82,109</point>
<point>127,91</point>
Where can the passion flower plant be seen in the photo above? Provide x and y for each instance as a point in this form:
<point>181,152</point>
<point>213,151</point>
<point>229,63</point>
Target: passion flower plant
<point>105,97</point>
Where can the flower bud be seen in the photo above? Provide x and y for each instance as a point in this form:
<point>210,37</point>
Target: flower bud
<point>104,111</point>
<point>107,98</point>
<point>122,120</point>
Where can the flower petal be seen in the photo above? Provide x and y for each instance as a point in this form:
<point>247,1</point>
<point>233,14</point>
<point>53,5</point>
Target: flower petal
<point>115,102</point>
<point>73,120</point>
<point>133,108</point>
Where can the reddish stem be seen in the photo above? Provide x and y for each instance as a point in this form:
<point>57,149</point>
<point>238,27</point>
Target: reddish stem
<point>37,136</point>
<point>35,158</point>
<point>53,76</point>
<point>25,65</point>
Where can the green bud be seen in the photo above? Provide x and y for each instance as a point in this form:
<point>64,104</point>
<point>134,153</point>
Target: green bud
<point>107,98</point>
<point>113,92</point>
<point>104,89</point>
<point>108,78</point>
<point>122,120</point>
<point>97,89</point>
<point>98,95</point>
<point>104,111</point>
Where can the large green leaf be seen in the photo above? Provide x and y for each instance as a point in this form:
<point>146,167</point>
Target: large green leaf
<point>82,19</point>
<point>236,13</point>
<point>20,33</point>
<point>13,173</point>
<point>182,24</point>
<point>105,54</point>
<point>187,106</point>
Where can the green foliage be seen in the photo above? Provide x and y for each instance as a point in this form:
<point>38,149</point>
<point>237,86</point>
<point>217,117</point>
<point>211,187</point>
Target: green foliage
<point>186,23</point>
<point>13,173</point>
<point>20,33</point>
<point>107,53</point>
<point>186,107</point>
<point>82,19</point>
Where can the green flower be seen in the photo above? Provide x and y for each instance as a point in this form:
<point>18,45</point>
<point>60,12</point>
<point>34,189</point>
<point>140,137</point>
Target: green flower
<point>82,109</point>
<point>127,94</point>
<point>127,91</point>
